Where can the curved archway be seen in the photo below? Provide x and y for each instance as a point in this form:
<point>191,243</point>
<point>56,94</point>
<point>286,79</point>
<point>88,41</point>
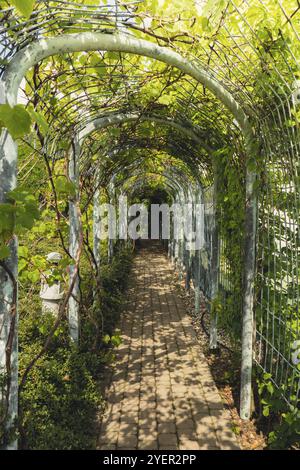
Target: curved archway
<point>35,52</point>
<point>120,118</point>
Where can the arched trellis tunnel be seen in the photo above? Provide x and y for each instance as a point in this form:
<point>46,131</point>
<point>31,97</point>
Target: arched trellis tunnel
<point>232,132</point>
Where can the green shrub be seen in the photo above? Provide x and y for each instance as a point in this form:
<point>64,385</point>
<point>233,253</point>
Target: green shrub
<point>60,399</point>
<point>61,396</point>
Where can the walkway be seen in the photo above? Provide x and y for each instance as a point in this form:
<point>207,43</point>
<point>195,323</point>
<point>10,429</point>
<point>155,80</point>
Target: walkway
<point>161,394</point>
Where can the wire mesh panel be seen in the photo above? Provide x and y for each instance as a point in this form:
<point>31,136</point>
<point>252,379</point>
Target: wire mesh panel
<point>277,309</point>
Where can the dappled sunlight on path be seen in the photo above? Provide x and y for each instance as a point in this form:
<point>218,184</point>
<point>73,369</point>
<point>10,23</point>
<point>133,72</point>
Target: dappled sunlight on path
<point>161,394</point>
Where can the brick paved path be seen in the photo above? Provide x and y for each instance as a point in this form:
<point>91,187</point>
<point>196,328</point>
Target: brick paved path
<point>162,394</point>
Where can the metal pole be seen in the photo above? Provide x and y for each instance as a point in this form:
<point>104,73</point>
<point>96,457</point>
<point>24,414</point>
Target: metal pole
<point>8,288</point>
<point>74,301</point>
<point>110,247</point>
<point>197,260</point>
<point>213,340</point>
<point>189,218</point>
<point>181,241</point>
<point>188,270</point>
<point>110,250</point>
<point>248,301</point>
<point>176,239</point>
<point>97,225</point>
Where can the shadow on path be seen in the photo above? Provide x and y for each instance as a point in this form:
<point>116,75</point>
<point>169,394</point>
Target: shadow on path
<point>161,394</point>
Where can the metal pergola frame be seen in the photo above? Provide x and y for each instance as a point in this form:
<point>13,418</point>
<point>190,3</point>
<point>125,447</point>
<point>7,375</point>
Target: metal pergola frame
<point>111,29</point>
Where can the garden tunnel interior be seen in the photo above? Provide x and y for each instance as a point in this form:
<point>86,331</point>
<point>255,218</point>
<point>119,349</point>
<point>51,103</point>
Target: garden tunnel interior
<point>201,137</point>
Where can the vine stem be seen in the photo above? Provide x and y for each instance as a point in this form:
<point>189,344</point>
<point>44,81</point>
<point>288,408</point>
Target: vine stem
<point>10,339</point>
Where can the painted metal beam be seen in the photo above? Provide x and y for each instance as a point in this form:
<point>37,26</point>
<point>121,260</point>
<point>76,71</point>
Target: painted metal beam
<point>215,261</point>
<point>74,236</point>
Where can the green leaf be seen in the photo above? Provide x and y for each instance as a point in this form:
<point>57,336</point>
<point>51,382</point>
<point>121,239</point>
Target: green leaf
<point>33,276</point>
<point>267,376</point>
<point>23,251</point>
<point>106,339</point>
<point>116,340</point>
<point>97,64</point>
<point>112,56</point>
<point>64,186</point>
<point>7,212</point>
<point>22,264</point>
<point>101,70</point>
<point>165,99</point>
<point>25,7</point>
<point>40,120</point>
<point>16,120</point>
<point>115,132</point>
<point>4,252</point>
<point>24,207</point>
<point>204,23</point>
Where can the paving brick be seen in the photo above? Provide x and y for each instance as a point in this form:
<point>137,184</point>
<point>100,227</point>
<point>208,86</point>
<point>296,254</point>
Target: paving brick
<point>110,426</point>
<point>107,447</point>
<point>130,417</point>
<point>148,446</point>
<point>161,394</point>
<point>168,427</point>
<point>167,439</point>
<point>108,438</point>
<point>147,405</point>
<point>127,441</point>
<point>188,444</point>
<point>187,425</point>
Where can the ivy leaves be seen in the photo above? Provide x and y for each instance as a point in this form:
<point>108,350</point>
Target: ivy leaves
<point>4,252</point>
<point>64,187</point>
<point>19,213</point>
<point>16,120</point>
<point>39,119</point>
<point>24,7</point>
